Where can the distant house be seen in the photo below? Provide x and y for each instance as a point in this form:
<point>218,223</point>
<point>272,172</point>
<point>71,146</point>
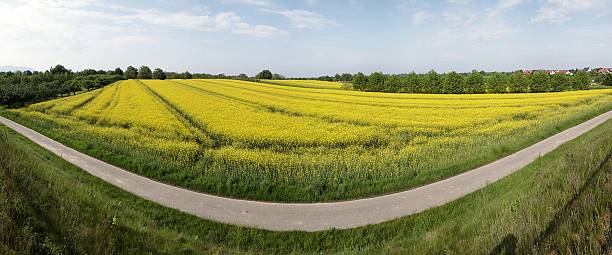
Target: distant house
<point>601,70</point>
<point>604,70</point>
<point>566,72</point>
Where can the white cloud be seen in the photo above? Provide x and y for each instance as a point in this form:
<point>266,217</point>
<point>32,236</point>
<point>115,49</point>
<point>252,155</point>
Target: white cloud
<point>64,24</point>
<point>556,11</point>
<point>222,22</point>
<point>503,5</point>
<point>262,3</point>
<point>460,2</point>
<point>490,31</point>
<point>420,17</point>
<point>465,25</point>
<point>305,19</point>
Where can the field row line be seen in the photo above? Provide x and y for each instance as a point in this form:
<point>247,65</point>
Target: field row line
<point>350,102</point>
<point>434,97</point>
<point>283,111</point>
<point>218,140</point>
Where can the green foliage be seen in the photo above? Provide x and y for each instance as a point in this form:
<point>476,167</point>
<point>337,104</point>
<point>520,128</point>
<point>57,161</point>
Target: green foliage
<point>59,69</point>
<point>607,79</point>
<point>497,83</point>
<point>376,82</point>
<point>410,83</point>
<point>159,74</point>
<point>559,81</point>
<point>430,82</point>
<point>360,81</point>
<point>540,82</point>
<point>393,83</point>
<point>581,80</point>
<point>277,76</point>
<point>144,72</point>
<point>347,77</point>
<point>265,75</point>
<point>20,88</point>
<point>519,83</point>
<point>131,72</point>
<point>243,77</point>
<point>453,83</point>
<point>474,83</point>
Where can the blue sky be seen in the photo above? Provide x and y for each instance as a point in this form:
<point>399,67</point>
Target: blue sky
<point>307,37</point>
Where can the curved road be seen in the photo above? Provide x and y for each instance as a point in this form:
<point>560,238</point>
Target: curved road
<point>315,216</point>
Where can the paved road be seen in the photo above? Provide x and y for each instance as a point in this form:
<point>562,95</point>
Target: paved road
<point>315,216</point>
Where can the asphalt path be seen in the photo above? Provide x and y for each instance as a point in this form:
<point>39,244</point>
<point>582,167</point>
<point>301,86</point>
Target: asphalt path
<point>308,216</point>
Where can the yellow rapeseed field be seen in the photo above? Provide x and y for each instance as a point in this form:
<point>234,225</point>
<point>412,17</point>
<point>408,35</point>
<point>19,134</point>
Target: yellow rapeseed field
<point>310,141</point>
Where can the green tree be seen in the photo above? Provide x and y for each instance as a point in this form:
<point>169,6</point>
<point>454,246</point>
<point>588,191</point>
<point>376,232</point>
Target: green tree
<point>277,76</point>
<point>539,81</point>
<point>497,83</point>
<point>410,83</point>
<point>346,77</point>
<point>118,71</point>
<point>433,82</point>
<point>607,79</point>
<point>243,77</point>
<point>376,81</point>
<point>519,83</point>
<point>59,69</point>
<point>474,83</point>
<point>559,82</point>
<point>453,83</point>
<point>159,74</point>
<point>392,83</point>
<point>144,72</point>
<point>581,80</point>
<point>359,81</point>
<point>265,75</point>
<point>186,75</point>
<point>131,72</point>
<point>88,72</point>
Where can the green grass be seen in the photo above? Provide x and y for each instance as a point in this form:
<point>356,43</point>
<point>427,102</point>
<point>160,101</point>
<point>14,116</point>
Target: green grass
<point>558,203</point>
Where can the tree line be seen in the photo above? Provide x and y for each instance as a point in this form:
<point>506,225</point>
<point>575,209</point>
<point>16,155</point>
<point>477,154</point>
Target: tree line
<point>20,88</point>
<point>471,83</point>
<point>453,82</point>
<point>24,87</point>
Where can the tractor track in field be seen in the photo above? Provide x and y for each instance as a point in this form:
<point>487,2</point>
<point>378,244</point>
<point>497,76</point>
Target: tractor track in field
<point>309,216</point>
<point>211,140</point>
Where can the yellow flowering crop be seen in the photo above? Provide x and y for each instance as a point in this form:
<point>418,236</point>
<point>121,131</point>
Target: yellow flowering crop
<point>305,132</point>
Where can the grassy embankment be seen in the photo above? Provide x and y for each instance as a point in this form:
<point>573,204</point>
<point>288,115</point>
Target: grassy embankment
<point>559,203</point>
